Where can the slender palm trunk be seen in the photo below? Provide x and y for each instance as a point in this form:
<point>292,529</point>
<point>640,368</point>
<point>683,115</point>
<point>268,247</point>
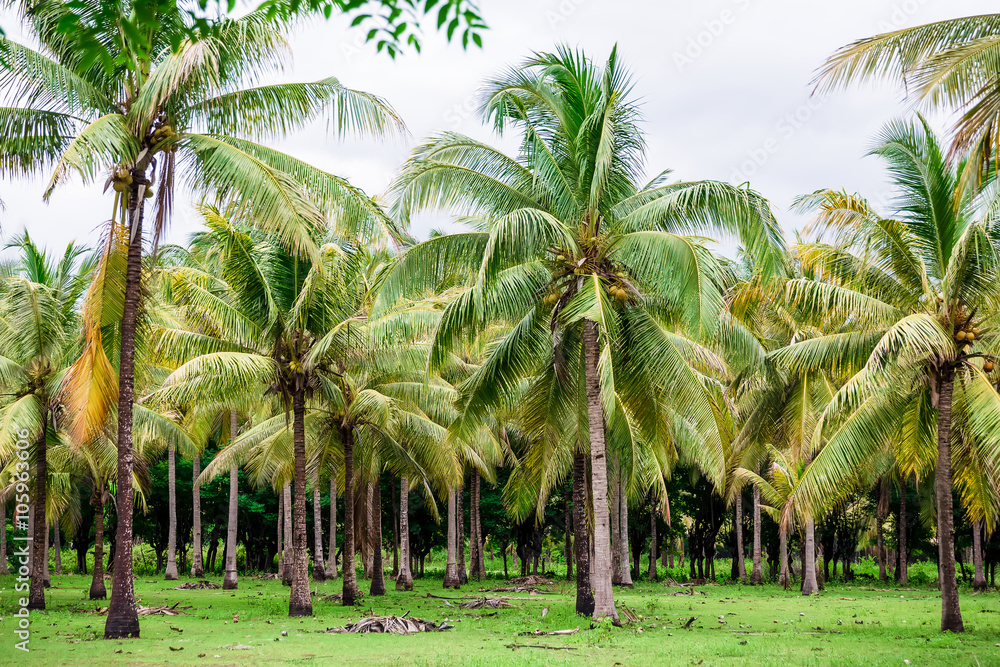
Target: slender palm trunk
<point>331,562</point>
<point>951,614</point>
<point>97,589</point>
<point>39,555</point>
<point>477,564</point>
<point>289,548</point>
<point>584,594</point>
<point>463,573</point>
<point>57,547</point>
<point>47,580</point>
<point>623,526</point>
<point>451,566</point>
<point>883,501</point>
<point>616,531</point>
<point>4,566</point>
<point>979,578</point>
<point>654,541</point>
<point>404,580</point>
<point>231,580</point>
<point>568,523</point>
<point>123,617</point>
<point>197,558</point>
<point>300,601</point>
<point>281,532</point>
<point>319,567</point>
<point>783,579</point>
<point>756,576</point>
<point>809,583</point>
<point>350,572</point>
<point>741,568</point>
<point>901,571</point>
<point>171,572</point>
<point>378,571</point>
<point>600,575</point>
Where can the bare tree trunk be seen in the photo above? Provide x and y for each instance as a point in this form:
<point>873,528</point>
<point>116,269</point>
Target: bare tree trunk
<point>584,593</point>
<point>476,564</point>
<point>286,504</point>
<point>654,541</point>
<point>300,600</point>
<point>809,583</point>
<point>4,566</point>
<point>616,531</point>
<point>951,614</point>
<point>45,562</point>
<point>281,533</point>
<point>231,579</point>
<point>331,562</point>
<point>568,523</point>
<point>349,567</point>
<point>404,580</point>
<point>783,579</point>
<point>366,533</point>
<point>463,574</point>
<point>451,566</point>
<point>883,502</point>
<point>901,571</point>
<point>378,573</point>
<point>97,589</point>
<point>57,547</point>
<point>623,526</point>
<point>197,558</point>
<point>123,616</point>
<point>600,575</point>
<point>756,576</point>
<point>39,555</point>
<point>171,572</point>
<point>395,526</point>
<point>741,567</point>
<point>319,566</point>
<point>978,579</point>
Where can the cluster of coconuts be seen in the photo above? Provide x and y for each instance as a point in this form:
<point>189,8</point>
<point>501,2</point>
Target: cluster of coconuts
<point>967,335</point>
<point>122,180</point>
<point>618,291</point>
<point>163,132</point>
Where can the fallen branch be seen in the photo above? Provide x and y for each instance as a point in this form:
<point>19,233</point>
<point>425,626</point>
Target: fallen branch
<point>514,647</point>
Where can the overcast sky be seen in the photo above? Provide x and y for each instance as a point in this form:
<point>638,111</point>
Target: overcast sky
<point>724,84</point>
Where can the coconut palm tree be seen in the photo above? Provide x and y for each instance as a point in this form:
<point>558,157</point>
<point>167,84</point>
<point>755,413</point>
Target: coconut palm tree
<point>37,318</point>
<point>571,250</point>
<point>179,110</point>
<point>910,299</point>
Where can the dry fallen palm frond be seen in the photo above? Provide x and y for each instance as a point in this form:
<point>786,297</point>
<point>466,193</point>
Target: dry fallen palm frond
<point>491,603</point>
<point>396,625</point>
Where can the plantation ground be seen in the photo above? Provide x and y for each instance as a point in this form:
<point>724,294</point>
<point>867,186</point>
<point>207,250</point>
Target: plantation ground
<point>844,625</point>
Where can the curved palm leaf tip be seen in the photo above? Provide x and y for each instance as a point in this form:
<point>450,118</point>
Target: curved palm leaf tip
<point>572,242</point>
<point>145,121</point>
<point>931,273</point>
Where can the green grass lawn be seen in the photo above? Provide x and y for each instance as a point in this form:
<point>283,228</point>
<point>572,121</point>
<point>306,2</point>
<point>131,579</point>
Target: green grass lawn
<point>844,625</point>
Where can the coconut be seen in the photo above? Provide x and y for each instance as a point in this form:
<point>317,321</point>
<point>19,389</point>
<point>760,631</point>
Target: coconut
<point>560,258</point>
<point>970,336</point>
<point>148,193</point>
<point>988,367</point>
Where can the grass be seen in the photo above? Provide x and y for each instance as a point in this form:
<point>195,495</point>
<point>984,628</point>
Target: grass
<point>844,625</point>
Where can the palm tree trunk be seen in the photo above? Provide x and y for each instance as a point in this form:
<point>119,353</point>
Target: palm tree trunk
<point>366,533</point>
<point>623,526</point>
<point>57,547</point>
<point>319,567</point>
<point>901,571</point>
<point>4,566</point>
<point>756,576</point>
<point>123,617</point>
<point>978,579</point>
<point>809,583</point>
<point>281,533</point>
<point>331,562</point>
<point>300,601</point>
<point>883,501</point>
<point>47,579</point>
<point>39,555</point>
<point>463,573</point>
<point>231,580</point>
<point>288,561</point>
<point>475,545</point>
<point>451,566</point>
<point>653,541</point>
<point>404,580</point>
<point>951,614</point>
<point>741,568</point>
<point>783,579</point>
<point>584,594</point>
<point>568,523</point>
<point>395,526</point>
<point>97,588</point>
<point>171,572</point>
<point>378,572</point>
<point>616,531</point>
<point>197,558</point>
<point>350,572</point>
<point>600,575</point>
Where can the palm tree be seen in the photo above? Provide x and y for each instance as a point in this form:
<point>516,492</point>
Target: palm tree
<point>948,65</point>
<point>173,106</point>
<point>571,250</point>
<point>37,319</point>
<point>909,298</point>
